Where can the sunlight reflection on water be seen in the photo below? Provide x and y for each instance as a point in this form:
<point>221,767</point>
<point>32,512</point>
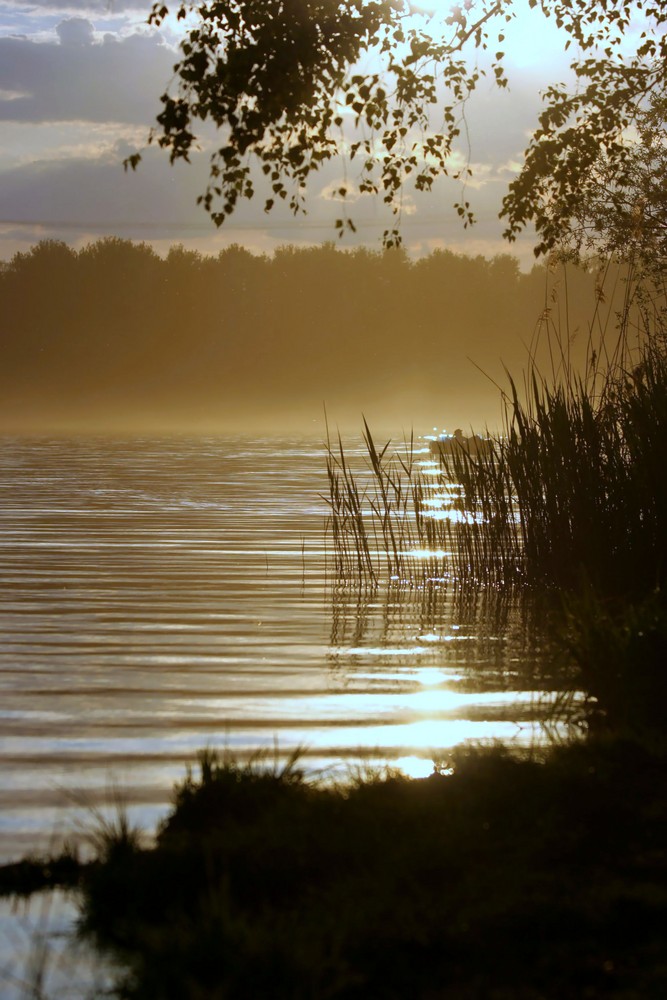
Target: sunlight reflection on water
<point>40,955</point>
<point>159,596</point>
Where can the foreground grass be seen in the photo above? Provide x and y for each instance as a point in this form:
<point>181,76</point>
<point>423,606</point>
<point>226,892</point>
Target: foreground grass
<point>504,879</point>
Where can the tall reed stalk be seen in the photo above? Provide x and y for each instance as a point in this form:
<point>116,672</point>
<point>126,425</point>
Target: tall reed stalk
<point>392,519</point>
<point>572,492</point>
<point>588,472</point>
<point>370,509</point>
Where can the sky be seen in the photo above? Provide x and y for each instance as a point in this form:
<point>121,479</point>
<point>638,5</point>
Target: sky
<point>80,82</point>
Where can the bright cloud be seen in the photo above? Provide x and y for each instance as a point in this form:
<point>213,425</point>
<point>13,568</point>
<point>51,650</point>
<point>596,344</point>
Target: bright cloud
<point>340,190</point>
<point>80,82</point>
<point>75,78</point>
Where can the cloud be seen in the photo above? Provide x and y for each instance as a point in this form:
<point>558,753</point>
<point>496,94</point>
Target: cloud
<point>55,141</point>
<point>511,167</point>
<point>81,183</point>
<point>78,78</point>
<point>101,8</point>
<point>13,95</point>
<point>75,32</point>
<point>85,190</point>
<point>84,197</point>
<point>340,190</point>
<point>77,101</point>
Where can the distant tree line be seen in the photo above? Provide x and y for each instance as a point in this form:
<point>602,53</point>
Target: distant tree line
<point>115,328</point>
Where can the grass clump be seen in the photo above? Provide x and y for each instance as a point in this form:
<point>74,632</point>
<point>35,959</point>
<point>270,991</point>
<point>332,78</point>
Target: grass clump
<point>584,468</point>
<point>573,493</point>
<point>506,878</point>
<point>376,517</point>
<point>586,465</point>
<point>392,521</point>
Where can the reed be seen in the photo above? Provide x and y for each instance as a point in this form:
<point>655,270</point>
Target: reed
<point>572,493</point>
<point>363,510</point>
<point>568,502</point>
<point>587,476</point>
<point>395,519</point>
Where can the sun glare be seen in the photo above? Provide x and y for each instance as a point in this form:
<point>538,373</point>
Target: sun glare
<point>530,40</point>
<point>415,767</point>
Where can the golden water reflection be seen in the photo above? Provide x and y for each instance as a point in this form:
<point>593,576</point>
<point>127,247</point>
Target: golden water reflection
<point>159,596</point>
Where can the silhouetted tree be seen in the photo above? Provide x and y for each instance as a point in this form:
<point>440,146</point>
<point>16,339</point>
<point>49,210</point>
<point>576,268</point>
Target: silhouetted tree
<point>273,76</point>
<point>114,325</point>
<point>628,219</point>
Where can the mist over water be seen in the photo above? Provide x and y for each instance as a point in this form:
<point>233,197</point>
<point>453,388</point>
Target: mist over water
<point>114,339</point>
<point>163,595</point>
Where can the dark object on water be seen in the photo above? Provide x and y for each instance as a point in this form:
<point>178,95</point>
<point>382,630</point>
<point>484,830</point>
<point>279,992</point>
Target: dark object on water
<point>22,878</point>
<point>453,444</point>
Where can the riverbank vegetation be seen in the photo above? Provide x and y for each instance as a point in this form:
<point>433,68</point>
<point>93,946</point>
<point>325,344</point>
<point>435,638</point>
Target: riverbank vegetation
<point>497,877</point>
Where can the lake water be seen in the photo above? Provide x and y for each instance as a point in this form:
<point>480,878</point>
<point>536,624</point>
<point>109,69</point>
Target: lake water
<point>159,596</point>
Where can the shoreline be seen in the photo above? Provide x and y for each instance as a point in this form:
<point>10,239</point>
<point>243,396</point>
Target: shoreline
<point>506,878</point>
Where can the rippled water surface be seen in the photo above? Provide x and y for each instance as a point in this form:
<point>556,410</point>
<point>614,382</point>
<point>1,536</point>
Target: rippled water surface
<point>160,596</point>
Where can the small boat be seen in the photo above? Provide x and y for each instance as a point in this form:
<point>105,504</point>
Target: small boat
<point>454,444</point>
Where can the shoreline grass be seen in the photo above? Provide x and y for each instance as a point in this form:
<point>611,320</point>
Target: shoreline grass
<point>569,504</point>
<point>506,878</point>
<point>573,493</point>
